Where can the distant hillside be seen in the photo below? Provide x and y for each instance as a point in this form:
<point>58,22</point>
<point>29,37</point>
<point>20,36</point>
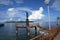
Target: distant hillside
<point>17,21</point>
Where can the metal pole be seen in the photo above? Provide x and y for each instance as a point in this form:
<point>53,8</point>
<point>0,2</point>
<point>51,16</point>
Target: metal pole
<point>49,17</point>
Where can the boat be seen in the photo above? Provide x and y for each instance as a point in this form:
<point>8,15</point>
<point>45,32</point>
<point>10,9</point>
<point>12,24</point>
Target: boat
<point>1,25</point>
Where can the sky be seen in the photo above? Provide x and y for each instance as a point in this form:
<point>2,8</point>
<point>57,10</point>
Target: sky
<point>37,9</point>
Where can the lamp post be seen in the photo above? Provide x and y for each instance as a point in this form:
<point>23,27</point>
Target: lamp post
<point>49,17</point>
<point>47,3</point>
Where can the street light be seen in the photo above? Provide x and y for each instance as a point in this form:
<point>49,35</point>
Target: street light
<point>47,3</point>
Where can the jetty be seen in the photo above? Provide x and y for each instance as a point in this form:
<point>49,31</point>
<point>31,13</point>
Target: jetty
<point>46,34</point>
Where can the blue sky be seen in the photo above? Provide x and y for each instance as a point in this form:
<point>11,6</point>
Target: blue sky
<point>37,9</point>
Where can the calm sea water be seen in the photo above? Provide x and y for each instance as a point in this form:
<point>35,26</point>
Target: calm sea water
<point>8,32</point>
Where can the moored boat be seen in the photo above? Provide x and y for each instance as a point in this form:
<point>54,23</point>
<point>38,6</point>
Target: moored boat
<point>1,25</point>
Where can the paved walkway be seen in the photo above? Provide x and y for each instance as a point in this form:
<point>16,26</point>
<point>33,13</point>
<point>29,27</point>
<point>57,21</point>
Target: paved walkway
<point>58,37</point>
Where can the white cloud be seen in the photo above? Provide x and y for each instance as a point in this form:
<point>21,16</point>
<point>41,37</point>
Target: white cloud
<point>6,2</point>
<point>37,14</point>
<point>11,19</point>
<point>10,9</point>
<point>17,12</point>
<point>11,12</point>
<point>10,2</point>
<point>3,14</point>
<point>3,20</point>
<point>19,1</point>
<point>24,9</point>
<point>56,5</point>
<point>19,19</point>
